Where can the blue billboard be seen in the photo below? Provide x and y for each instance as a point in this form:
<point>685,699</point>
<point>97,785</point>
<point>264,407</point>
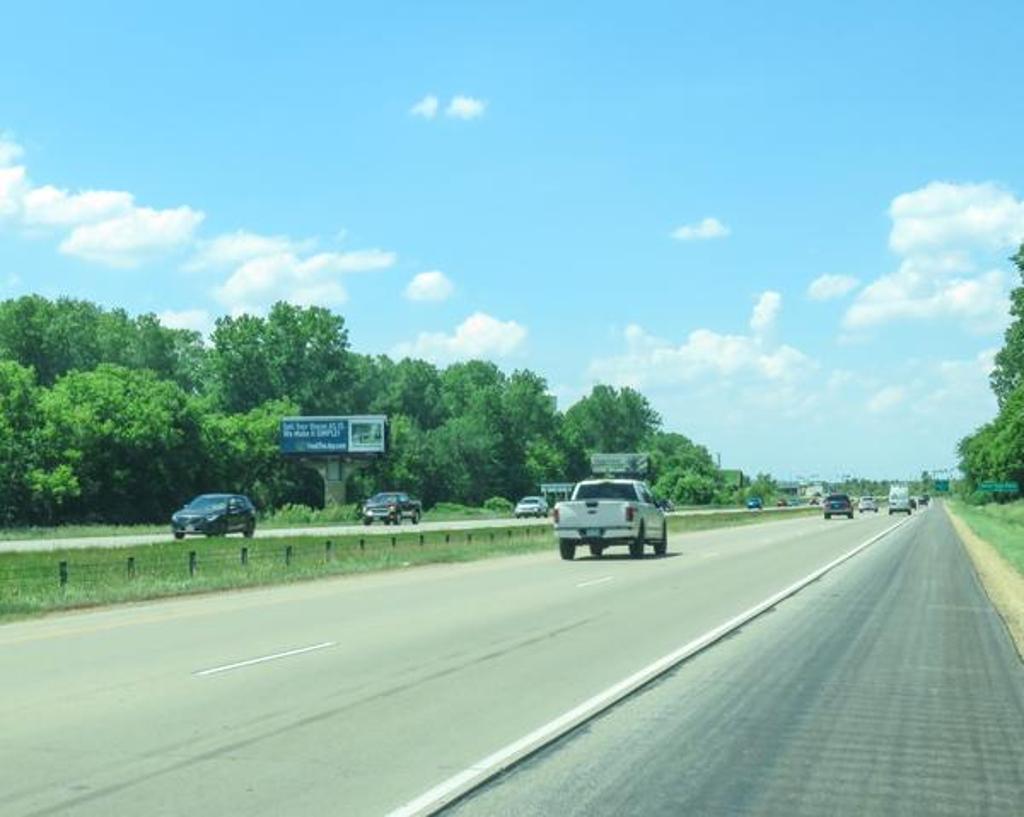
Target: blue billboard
<point>361,435</point>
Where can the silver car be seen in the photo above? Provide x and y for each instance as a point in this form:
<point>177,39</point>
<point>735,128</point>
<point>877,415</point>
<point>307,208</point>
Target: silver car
<point>531,506</point>
<point>867,503</point>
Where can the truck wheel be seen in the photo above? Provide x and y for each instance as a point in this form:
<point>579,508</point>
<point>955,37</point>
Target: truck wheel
<point>567,547</point>
<point>661,546</point>
<point>596,551</point>
<point>636,547</point>
<point>368,521</point>
<point>179,535</point>
<point>416,517</point>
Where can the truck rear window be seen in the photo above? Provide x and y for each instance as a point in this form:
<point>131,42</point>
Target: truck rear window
<point>606,490</point>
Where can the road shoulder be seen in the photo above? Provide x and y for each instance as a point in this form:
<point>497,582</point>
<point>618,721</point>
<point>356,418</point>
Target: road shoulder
<point>1003,584</point>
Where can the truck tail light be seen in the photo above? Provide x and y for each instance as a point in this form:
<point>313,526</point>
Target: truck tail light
<point>556,516</point>
<point>630,513</point>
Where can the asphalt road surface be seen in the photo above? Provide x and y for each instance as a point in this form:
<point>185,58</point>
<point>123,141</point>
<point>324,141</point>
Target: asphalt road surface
<point>355,695</point>
<point>888,688</point>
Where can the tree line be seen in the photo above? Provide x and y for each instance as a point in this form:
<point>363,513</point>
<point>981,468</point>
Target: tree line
<point>995,452</point>
<point>106,416</point>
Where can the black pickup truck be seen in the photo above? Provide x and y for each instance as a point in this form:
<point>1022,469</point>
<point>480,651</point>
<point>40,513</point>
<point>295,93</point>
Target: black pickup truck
<point>391,508</point>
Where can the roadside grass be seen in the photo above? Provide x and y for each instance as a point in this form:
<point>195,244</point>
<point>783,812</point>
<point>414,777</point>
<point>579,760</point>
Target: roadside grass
<point>30,581</point>
<point>1001,525</point>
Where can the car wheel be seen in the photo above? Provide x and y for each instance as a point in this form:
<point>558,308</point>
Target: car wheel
<point>367,521</point>
<point>249,530</point>
<point>567,548</point>
<point>850,515</point>
<point>179,535</point>
<point>596,551</point>
<point>416,518</point>
<point>661,546</point>
<point>636,547</point>
<point>828,516</point>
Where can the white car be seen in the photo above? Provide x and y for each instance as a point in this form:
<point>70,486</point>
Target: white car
<point>605,512</point>
<point>531,506</point>
<point>867,503</point>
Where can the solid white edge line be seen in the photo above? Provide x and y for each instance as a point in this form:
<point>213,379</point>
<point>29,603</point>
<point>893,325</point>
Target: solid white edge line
<point>592,582</point>
<point>473,776</point>
<point>263,659</point>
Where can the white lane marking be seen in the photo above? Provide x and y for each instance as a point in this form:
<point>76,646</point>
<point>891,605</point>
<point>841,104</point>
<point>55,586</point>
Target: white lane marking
<point>592,582</point>
<point>484,769</point>
<point>264,658</point>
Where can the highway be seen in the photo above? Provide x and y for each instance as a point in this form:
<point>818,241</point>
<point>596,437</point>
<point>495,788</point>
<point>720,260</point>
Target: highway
<point>132,539</point>
<point>356,695</point>
<point>890,687</point>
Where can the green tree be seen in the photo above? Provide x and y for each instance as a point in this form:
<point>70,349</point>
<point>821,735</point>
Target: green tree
<point>1008,373</point>
<point>611,420</point>
<point>19,415</point>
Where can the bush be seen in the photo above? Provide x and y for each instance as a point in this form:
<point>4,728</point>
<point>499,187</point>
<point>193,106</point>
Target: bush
<point>292,514</point>
<point>498,504</point>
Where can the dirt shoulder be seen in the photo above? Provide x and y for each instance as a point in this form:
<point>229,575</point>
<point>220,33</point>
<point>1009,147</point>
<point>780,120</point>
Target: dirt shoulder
<point>1002,582</point>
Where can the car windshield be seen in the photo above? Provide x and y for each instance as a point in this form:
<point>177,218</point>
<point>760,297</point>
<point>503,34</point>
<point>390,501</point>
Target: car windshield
<point>529,500</point>
<point>606,490</point>
<point>208,503</point>
<point>384,498</point>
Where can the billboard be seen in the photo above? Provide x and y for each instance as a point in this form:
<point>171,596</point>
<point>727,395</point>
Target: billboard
<point>635,464</point>
<point>363,435</point>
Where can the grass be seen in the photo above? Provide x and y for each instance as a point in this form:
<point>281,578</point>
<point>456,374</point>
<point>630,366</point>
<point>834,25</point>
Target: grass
<point>30,581</point>
<point>709,521</point>
<point>1000,525</point>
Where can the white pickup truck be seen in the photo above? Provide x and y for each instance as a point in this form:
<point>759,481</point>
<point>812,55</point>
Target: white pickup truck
<point>604,512</point>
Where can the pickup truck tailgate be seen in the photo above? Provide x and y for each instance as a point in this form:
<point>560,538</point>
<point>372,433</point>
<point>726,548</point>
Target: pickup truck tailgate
<point>593,516</point>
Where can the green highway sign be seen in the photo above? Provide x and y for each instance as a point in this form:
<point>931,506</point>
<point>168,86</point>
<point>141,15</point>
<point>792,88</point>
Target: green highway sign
<point>999,487</point>
<point>941,486</point>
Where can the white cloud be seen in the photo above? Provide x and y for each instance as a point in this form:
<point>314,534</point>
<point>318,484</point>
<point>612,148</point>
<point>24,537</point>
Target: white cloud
<point>433,285</point>
<point>944,232</point>
<point>465,107</point>
<point>232,249</point>
<point>10,151</point>
<point>886,399</point>
<point>479,336</point>
<point>285,276</point>
<point>13,184</point>
<point>426,107</point>
<point>941,215</point>
<point>828,287</point>
<point>48,205</point>
<point>127,240</point>
<point>649,361</point>
<point>701,230</point>
<point>196,320</point>
<point>765,313</point>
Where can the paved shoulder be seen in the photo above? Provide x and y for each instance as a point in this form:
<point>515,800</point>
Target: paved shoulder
<point>890,687</point>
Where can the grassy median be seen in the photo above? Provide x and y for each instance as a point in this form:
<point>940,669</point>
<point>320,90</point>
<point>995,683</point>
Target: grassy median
<point>35,582</point>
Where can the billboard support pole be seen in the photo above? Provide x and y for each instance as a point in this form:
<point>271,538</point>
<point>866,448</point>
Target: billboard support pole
<point>335,473</point>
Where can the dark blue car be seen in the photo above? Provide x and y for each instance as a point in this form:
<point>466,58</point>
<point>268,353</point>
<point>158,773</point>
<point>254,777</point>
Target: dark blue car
<point>755,503</point>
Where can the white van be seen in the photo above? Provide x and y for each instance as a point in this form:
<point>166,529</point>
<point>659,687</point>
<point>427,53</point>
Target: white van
<point>899,500</point>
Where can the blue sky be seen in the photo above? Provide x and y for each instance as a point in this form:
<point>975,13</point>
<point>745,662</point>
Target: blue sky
<point>642,194</point>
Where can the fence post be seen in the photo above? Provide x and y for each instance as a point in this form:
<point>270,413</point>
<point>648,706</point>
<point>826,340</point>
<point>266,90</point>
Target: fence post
<point>447,538</point>
<point>421,540</point>
<point>362,544</point>
<point>244,556</point>
<point>469,538</point>
<point>131,567</point>
<point>287,555</point>
<point>62,572</point>
<point>392,541</point>
<point>329,551</point>
<point>191,564</point>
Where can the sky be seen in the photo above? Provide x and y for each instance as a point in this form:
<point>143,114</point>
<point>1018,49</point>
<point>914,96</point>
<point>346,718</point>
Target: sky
<point>787,223</point>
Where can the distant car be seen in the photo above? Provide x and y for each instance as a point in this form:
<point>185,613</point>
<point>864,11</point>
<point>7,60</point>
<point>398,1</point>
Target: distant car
<point>837,505</point>
<point>924,499</point>
<point>913,503</point>
<point>814,500</point>
<point>867,503</point>
<point>755,503</point>
<point>215,515</point>
<point>781,503</point>
<point>391,508</point>
<point>899,500</point>
<point>531,506</point>
<point>665,505</point>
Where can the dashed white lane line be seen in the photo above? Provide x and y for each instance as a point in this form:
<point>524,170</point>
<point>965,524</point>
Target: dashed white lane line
<point>592,582</point>
<point>264,658</point>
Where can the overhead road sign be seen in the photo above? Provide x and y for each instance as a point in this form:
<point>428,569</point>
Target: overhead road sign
<point>999,487</point>
<point>619,464</point>
<point>361,435</point>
